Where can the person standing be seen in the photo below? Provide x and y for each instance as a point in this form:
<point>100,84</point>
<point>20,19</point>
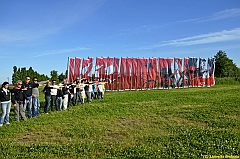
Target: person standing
<point>95,91</point>
<point>35,98</point>
<point>86,89</point>
<point>73,92</point>
<point>91,94</point>
<point>78,91</point>
<point>18,99</point>
<point>100,90</point>
<point>65,94</point>
<point>5,103</point>
<point>54,95</point>
<point>47,93</point>
<point>28,86</point>
<point>59,98</point>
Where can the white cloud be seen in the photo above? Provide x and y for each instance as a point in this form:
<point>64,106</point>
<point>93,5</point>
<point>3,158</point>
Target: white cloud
<point>222,36</point>
<point>62,51</point>
<point>228,13</point>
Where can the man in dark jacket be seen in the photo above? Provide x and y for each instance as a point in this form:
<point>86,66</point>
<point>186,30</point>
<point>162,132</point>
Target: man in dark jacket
<point>18,99</point>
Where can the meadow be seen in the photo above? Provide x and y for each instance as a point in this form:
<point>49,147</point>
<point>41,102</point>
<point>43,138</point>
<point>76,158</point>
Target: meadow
<point>176,123</point>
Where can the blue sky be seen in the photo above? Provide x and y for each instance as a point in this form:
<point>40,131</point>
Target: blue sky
<point>43,33</point>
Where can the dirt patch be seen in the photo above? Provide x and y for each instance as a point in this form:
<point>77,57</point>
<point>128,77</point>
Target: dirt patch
<point>39,137</point>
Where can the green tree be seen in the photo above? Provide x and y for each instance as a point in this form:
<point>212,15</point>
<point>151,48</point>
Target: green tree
<point>225,66</point>
<point>61,77</point>
<point>21,73</point>
<point>54,75</point>
<point>15,75</point>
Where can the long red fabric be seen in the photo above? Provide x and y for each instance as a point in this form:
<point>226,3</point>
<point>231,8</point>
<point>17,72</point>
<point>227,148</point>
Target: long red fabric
<point>77,72</point>
<point>115,73</point>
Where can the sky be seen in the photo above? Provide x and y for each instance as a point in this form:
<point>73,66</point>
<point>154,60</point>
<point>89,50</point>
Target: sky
<point>42,34</point>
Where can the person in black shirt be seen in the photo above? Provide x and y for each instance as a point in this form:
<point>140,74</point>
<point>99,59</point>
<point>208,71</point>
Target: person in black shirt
<point>28,86</point>
<point>86,89</point>
<point>47,92</point>
<point>59,98</point>
<point>5,103</point>
<point>18,99</point>
<point>73,92</point>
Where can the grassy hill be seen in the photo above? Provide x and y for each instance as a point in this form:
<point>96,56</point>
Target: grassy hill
<point>176,123</point>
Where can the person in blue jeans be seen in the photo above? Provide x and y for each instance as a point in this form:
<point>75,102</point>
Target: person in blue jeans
<point>95,91</point>
<point>18,98</point>
<point>86,89</point>
<point>47,92</point>
<point>27,86</point>
<point>35,99</point>
<point>78,90</point>
<point>5,103</point>
<point>59,98</point>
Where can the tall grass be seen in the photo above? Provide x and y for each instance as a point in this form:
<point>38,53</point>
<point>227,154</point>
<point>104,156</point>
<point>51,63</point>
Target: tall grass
<point>176,123</point>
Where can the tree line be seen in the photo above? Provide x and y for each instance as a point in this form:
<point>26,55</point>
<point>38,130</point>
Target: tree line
<point>21,73</point>
<point>224,66</point>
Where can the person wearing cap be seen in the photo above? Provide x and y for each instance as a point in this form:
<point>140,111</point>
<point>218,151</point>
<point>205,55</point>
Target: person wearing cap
<point>5,103</point>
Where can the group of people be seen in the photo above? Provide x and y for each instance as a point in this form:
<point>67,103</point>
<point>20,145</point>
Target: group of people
<point>24,96</point>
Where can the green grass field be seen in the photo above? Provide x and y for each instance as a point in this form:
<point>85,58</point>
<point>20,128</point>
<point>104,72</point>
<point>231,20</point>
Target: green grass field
<point>176,123</point>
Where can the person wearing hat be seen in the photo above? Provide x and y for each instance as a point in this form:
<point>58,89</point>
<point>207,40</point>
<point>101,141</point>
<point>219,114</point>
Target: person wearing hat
<point>5,103</point>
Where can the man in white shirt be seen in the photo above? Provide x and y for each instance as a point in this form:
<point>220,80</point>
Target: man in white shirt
<point>54,95</point>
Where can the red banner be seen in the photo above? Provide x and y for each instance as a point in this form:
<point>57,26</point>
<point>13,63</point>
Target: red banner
<point>71,63</point>
<point>142,73</point>
<point>128,73</point>
<point>139,74</point>
<point>211,70</point>
<point>202,74</point>
<point>178,72</point>
<point>163,63</point>
<point>115,73</point>
<point>134,73</point>
<point>122,73</point>
<point>109,78</point>
<point>77,70</point>
<point>103,69</point>
<point>98,68</point>
<point>160,77</point>
<point>192,63</point>
<point>170,77</point>
<point>87,68</point>
<point>186,73</point>
<point>152,73</point>
<point>144,65</point>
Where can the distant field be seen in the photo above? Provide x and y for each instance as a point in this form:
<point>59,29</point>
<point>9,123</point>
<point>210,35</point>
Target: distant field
<point>176,123</point>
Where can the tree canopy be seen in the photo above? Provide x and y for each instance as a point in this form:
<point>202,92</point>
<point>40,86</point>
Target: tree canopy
<point>224,66</point>
<point>21,73</point>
